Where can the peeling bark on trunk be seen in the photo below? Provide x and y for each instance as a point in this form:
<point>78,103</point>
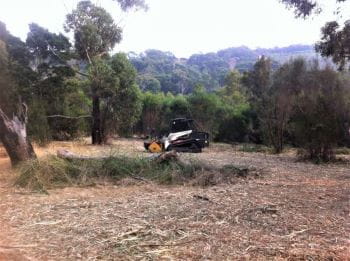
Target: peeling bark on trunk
<point>13,135</point>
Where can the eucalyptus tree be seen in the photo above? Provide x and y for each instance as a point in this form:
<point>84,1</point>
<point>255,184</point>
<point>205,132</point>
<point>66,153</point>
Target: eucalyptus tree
<point>95,35</point>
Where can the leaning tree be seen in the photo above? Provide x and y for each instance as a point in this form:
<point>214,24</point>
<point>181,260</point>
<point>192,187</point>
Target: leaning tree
<point>13,118</point>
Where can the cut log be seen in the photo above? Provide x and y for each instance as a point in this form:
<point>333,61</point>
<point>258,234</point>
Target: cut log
<point>13,135</point>
<point>166,157</point>
<point>66,154</point>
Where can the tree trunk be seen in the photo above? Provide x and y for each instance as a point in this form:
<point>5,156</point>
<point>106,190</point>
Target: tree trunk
<point>13,135</point>
<point>96,121</point>
<point>105,125</point>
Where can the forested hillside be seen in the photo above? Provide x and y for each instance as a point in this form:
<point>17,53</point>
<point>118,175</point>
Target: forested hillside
<point>163,71</point>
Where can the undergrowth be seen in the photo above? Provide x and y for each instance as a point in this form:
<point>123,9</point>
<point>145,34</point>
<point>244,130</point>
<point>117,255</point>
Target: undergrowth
<point>54,172</point>
<point>40,174</point>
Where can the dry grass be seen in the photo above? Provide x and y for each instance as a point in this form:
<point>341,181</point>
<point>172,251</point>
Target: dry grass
<point>296,211</point>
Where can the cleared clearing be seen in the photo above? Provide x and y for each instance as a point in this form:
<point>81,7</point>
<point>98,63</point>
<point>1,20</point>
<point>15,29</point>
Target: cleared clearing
<point>295,211</point>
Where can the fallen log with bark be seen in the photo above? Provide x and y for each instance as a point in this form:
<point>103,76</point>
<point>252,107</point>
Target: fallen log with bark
<point>163,158</point>
<point>66,154</point>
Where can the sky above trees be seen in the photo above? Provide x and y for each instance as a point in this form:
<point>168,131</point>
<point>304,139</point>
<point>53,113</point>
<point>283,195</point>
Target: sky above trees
<point>184,27</point>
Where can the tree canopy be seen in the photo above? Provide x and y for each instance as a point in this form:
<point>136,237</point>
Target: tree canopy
<point>335,39</point>
<point>95,32</point>
<point>304,8</point>
<point>126,5</point>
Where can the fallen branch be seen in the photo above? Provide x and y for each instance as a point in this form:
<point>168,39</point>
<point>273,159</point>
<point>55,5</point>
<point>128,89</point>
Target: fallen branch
<point>66,154</point>
<point>139,178</point>
<point>295,233</point>
<point>11,247</point>
<point>201,197</point>
<point>69,117</point>
<point>169,245</point>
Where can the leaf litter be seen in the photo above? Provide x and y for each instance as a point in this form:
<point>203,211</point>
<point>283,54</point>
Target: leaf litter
<point>294,211</point>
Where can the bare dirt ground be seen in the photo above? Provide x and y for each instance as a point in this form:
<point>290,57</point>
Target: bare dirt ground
<point>294,211</point>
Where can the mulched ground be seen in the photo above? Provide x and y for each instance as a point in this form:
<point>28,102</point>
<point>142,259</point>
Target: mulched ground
<point>294,211</point>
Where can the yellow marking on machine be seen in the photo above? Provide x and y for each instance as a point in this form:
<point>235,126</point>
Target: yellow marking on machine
<point>154,147</point>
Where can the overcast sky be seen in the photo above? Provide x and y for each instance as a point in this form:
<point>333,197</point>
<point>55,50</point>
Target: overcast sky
<point>183,27</point>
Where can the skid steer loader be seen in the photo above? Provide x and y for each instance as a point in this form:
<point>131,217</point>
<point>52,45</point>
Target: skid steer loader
<point>183,137</point>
